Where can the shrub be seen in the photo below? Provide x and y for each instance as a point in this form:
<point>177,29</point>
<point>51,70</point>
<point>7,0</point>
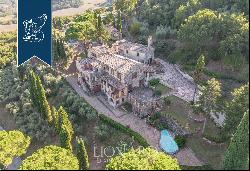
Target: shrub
<point>180,140</point>
<point>128,106</point>
<point>134,28</point>
<point>158,93</point>
<point>154,82</point>
<point>160,126</point>
<point>167,101</point>
<point>104,131</point>
<point>154,117</point>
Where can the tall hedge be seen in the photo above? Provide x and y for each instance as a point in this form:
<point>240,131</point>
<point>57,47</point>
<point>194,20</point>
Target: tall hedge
<point>124,129</point>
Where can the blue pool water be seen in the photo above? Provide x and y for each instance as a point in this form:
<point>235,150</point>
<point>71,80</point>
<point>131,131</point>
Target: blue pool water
<point>167,143</point>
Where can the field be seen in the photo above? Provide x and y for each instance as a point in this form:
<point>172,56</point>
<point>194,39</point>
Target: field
<point>88,4</point>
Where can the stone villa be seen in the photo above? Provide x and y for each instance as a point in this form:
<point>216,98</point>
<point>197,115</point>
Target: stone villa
<point>121,73</point>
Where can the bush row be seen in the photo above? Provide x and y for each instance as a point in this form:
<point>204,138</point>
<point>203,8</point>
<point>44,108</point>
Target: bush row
<point>124,129</point>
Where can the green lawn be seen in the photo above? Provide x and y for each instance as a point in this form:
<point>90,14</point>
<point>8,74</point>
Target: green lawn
<point>212,154</point>
<point>179,111</point>
<point>213,132</point>
<point>163,89</point>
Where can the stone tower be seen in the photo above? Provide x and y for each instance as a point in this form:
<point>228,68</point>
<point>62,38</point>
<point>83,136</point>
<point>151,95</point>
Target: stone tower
<point>150,41</point>
<point>150,47</point>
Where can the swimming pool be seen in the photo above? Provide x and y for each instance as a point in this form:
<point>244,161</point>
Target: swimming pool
<point>167,143</point>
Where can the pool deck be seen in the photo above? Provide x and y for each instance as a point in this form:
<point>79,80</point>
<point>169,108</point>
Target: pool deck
<point>186,157</point>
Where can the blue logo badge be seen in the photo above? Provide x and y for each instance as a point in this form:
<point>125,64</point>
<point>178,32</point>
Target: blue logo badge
<point>34,30</point>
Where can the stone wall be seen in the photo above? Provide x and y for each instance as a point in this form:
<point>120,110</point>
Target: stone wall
<point>174,126</point>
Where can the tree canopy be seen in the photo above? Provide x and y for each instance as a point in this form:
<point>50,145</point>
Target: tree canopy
<point>82,31</point>
<point>209,30</point>
<point>12,144</point>
<point>51,158</point>
<point>210,95</point>
<point>146,159</point>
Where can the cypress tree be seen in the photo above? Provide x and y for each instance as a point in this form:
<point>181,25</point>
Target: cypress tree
<point>114,21</point>
<point>99,22</point>
<point>65,138</point>
<point>59,23</point>
<point>55,50</point>
<point>43,103</point>
<point>33,89</point>
<point>64,120</point>
<point>82,154</point>
<point>199,69</point>
<point>236,157</point>
<point>55,118</point>
<point>119,21</point>
<point>58,48</point>
<point>21,72</point>
<point>63,53</point>
<point>99,26</point>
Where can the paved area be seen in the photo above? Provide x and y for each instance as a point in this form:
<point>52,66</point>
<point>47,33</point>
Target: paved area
<point>182,85</point>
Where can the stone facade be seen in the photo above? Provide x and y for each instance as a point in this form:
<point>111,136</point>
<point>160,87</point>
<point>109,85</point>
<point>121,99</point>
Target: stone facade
<point>121,79</point>
<point>135,51</point>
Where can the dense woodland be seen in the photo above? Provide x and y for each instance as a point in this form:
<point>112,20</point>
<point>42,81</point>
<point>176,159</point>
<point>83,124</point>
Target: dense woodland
<point>209,39</point>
